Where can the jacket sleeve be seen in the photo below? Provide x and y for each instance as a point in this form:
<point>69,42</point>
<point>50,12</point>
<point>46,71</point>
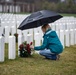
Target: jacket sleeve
<point>43,46</point>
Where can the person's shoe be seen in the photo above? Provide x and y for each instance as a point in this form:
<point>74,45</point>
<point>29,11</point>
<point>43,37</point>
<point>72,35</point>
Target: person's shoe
<point>58,57</point>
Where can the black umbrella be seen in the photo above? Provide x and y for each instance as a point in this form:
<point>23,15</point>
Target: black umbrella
<point>39,18</point>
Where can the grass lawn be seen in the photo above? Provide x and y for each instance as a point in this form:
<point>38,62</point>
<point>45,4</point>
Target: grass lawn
<point>69,15</point>
<point>37,65</point>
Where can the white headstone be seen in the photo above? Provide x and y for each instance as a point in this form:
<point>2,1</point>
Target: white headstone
<point>75,36</point>
<point>36,30</point>
<point>40,33</point>
<point>67,38</point>
<point>25,32</point>
<point>3,24</point>
<point>62,37</point>
<point>37,41</point>
<point>13,30</point>
<point>58,33</point>
<point>23,38</point>
<point>19,32</point>
<point>19,42</point>
<point>71,37</point>
<point>53,26</point>
<point>1,32</point>
<point>6,34</point>
<point>68,25</point>
<point>12,48</point>
<point>57,27</point>
<point>1,49</point>
<point>29,39</point>
<point>31,32</point>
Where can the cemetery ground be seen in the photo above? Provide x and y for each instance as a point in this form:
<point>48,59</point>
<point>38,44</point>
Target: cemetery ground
<point>37,65</point>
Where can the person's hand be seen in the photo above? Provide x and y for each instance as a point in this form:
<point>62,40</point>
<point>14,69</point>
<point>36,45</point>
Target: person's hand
<point>32,47</point>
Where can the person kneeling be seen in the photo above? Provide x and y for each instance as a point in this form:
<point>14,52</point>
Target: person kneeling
<point>51,47</point>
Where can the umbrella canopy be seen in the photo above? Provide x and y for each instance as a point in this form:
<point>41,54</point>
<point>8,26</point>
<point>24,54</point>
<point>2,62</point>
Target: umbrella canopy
<point>39,18</point>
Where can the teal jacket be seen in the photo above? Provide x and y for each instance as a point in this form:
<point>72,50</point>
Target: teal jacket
<point>51,41</point>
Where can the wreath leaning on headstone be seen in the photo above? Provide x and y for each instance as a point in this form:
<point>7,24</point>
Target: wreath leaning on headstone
<point>25,50</point>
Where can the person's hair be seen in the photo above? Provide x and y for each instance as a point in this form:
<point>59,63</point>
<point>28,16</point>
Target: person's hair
<point>45,26</point>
